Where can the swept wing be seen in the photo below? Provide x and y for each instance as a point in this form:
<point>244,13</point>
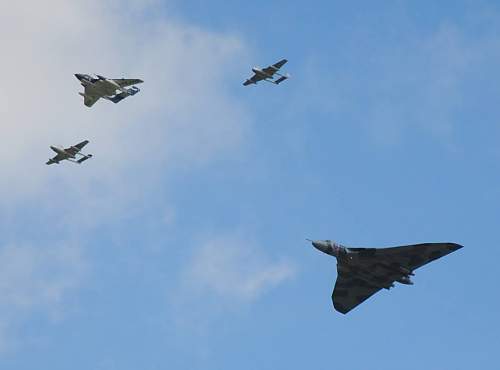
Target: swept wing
<point>76,148</point>
<point>375,269</point>
<point>254,79</point>
<point>88,98</point>
<point>271,70</point>
<point>58,158</point>
<point>124,82</point>
<point>351,291</point>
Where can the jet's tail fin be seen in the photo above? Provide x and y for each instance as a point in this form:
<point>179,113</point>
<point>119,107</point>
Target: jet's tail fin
<point>280,80</point>
<point>83,159</point>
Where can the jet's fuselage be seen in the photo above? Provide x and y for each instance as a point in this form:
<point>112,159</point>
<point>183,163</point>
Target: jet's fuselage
<point>61,151</point>
<point>261,73</point>
<point>98,86</point>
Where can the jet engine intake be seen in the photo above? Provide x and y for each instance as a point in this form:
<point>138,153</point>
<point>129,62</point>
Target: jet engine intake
<point>405,280</point>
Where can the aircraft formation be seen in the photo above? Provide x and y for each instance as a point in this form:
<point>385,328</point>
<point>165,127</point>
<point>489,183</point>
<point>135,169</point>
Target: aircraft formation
<point>361,272</point>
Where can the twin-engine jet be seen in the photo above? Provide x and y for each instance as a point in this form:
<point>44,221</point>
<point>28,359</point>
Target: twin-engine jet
<point>110,89</point>
<point>70,153</point>
<point>361,272</point>
<point>267,74</point>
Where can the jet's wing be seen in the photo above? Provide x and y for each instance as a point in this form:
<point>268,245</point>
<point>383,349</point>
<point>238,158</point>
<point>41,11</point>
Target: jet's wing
<point>124,82</point>
<point>58,158</point>
<point>89,99</point>
<point>76,148</point>
<point>252,80</point>
<point>410,256</point>
<point>351,291</point>
<point>271,70</point>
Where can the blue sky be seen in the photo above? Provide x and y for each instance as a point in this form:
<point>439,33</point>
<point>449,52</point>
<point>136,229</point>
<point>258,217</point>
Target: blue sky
<point>182,243</point>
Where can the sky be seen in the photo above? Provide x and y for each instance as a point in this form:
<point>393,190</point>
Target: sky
<point>181,244</point>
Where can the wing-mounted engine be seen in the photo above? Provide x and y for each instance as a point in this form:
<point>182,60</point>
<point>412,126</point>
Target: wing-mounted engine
<point>84,158</point>
<point>405,279</point>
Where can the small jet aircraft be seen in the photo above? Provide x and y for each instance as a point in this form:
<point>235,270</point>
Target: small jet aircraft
<point>362,272</point>
<point>106,88</point>
<point>70,153</point>
<point>267,74</point>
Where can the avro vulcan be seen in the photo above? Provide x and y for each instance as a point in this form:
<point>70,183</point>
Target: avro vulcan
<point>361,272</point>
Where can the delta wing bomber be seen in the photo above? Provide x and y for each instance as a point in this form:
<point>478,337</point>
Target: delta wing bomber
<point>362,272</point>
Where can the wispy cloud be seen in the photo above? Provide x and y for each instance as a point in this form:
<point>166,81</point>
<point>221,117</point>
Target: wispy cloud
<point>184,117</point>
<point>233,269</point>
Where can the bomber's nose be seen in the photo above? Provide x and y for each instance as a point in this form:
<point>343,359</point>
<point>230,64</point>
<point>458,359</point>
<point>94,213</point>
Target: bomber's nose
<point>79,76</point>
<point>321,245</point>
<point>318,244</point>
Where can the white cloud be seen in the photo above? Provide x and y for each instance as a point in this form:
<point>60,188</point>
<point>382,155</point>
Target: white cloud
<point>184,115</point>
<point>224,275</point>
<point>35,280</point>
<point>233,269</point>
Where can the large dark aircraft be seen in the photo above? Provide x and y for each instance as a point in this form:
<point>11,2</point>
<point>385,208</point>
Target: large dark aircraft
<point>362,272</point>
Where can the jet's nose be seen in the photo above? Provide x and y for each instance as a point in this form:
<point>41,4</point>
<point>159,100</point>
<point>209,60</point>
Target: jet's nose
<point>79,76</point>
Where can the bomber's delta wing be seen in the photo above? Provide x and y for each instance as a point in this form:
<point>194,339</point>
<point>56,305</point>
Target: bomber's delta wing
<point>350,291</point>
<point>413,256</point>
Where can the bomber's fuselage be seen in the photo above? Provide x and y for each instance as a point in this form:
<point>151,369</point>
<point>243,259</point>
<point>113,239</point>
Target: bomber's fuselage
<point>352,261</point>
<point>329,247</point>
